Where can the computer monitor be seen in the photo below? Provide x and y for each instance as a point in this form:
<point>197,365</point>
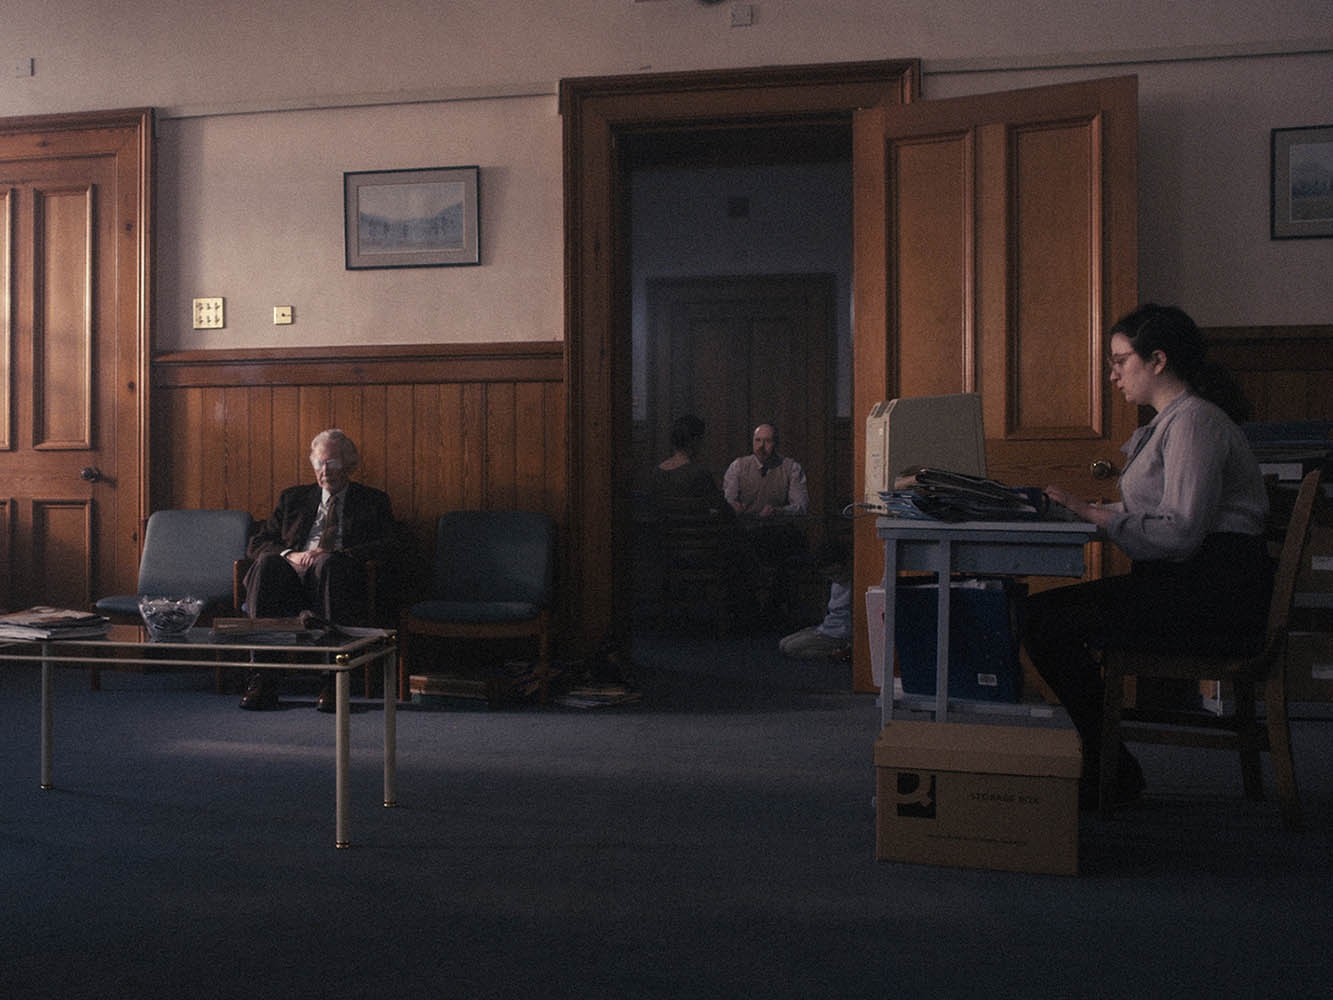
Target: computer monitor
<point>943,432</point>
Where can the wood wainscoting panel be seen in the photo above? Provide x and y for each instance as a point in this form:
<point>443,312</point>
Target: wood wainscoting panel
<point>1286,371</point>
<point>439,427</point>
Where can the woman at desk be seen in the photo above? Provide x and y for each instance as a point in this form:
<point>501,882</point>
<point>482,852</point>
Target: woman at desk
<point>1191,517</point>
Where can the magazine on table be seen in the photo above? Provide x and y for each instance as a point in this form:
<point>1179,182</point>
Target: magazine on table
<point>52,623</point>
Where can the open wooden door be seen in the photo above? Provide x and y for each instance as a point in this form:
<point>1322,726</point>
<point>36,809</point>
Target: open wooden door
<point>75,214</point>
<point>995,244</point>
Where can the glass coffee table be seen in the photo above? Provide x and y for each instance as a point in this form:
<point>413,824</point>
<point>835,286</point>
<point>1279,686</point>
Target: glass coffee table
<point>338,651</point>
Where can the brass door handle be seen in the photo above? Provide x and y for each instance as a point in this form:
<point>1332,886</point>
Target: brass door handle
<point>1102,469</point>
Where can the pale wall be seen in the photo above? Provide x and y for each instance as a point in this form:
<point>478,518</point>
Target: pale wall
<point>259,122</point>
<point>252,210</point>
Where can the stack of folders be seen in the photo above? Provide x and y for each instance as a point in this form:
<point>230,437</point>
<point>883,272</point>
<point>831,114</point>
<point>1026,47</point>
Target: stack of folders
<point>42,623</point>
<point>941,495</point>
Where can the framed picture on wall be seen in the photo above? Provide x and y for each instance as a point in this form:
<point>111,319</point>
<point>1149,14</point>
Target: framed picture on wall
<point>411,218</point>
<point>1302,204</point>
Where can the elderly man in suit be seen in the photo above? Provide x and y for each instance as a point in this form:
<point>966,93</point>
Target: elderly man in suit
<point>310,555</point>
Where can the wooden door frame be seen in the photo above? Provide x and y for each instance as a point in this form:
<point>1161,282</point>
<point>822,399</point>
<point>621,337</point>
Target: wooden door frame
<point>127,134</point>
<point>597,113</point>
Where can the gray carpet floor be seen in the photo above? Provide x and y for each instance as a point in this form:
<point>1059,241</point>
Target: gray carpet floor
<point>713,840</point>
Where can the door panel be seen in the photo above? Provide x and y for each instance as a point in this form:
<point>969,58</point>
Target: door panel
<point>995,244</point>
<point>934,223</point>
<point>62,334</point>
<point>61,543</point>
<point>75,263</point>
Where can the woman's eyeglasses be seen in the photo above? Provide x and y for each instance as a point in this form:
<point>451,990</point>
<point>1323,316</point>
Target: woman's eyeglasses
<point>1115,362</point>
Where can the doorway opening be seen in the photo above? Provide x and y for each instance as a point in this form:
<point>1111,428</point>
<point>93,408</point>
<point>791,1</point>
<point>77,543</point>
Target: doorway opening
<point>614,126</point>
<point>741,263</point>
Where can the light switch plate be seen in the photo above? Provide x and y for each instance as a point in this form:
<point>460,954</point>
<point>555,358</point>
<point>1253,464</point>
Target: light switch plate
<point>209,314</point>
<point>282,315</point>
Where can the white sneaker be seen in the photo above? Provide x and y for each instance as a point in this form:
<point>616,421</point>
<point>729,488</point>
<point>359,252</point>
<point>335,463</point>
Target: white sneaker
<point>810,644</point>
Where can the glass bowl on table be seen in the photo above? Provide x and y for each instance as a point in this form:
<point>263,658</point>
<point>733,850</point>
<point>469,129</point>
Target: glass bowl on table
<point>169,618</point>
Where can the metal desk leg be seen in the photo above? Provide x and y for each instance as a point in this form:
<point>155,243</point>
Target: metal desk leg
<point>343,684</point>
<point>48,716</point>
<point>943,605</point>
<point>390,729</point>
<point>890,585</point>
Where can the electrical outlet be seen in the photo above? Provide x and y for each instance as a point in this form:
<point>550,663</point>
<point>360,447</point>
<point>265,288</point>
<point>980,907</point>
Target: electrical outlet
<point>282,315</point>
<point>208,314</point>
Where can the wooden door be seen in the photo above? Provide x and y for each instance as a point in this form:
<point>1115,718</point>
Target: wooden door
<point>995,244</point>
<point>74,241</point>
<point>740,351</point>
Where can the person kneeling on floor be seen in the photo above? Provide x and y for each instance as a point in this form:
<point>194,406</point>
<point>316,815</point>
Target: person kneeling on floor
<point>831,639</point>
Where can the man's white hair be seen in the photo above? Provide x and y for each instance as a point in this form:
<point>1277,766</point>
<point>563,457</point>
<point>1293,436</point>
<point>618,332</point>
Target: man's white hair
<point>335,436</point>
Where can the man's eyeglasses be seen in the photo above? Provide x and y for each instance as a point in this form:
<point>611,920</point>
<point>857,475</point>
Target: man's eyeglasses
<point>327,463</point>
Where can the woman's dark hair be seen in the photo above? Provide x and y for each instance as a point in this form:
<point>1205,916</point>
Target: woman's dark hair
<point>685,431</point>
<point>1170,330</point>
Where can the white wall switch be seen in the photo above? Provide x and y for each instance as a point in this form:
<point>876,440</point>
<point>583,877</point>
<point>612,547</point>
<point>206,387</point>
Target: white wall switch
<point>282,315</point>
<point>209,314</point>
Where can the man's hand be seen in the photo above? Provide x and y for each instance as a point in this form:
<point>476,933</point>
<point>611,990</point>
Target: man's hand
<point>301,559</point>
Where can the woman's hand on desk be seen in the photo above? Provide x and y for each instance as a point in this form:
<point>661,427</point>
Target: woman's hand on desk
<point>1086,511</point>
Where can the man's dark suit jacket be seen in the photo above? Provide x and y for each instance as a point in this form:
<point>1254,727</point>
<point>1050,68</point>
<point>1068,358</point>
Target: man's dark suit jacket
<point>367,519</point>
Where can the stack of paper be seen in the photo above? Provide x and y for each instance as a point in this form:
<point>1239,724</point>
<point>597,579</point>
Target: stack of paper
<point>52,623</point>
<point>953,496</point>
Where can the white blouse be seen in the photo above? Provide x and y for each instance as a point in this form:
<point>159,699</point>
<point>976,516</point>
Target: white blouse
<point>1188,473</point>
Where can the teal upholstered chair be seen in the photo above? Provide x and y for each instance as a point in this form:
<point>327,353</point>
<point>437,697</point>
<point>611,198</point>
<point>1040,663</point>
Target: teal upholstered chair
<point>186,552</point>
<point>190,552</point>
<point>493,578</point>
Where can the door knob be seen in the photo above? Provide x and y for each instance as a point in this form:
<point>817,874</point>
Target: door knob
<point>90,473</point>
<point>1102,469</point>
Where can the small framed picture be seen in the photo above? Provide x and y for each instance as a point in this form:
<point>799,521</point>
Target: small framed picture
<point>1302,201</point>
<point>411,218</point>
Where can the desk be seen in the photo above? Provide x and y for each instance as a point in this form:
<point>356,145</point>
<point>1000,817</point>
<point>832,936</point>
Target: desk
<point>340,653</point>
<point>1007,548</point>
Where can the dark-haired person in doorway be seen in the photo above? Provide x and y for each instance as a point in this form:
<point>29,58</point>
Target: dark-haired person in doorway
<point>1191,517</point>
<point>680,476</point>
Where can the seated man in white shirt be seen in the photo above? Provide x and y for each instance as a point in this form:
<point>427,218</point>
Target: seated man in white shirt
<point>768,491</point>
<point>765,483</point>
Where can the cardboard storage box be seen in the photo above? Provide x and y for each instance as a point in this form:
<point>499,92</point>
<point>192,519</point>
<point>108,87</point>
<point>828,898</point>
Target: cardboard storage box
<point>983,639</point>
<point>978,796</point>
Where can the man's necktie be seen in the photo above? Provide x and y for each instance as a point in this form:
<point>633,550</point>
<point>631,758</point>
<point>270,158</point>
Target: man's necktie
<point>324,534</point>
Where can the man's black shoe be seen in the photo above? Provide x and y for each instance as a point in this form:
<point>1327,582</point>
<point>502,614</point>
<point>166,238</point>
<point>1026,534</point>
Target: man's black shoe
<point>328,698</point>
<point>261,692</point>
